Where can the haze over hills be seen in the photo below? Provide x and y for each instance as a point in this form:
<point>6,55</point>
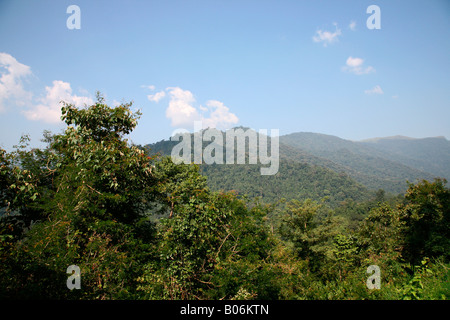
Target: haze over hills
<point>316,165</point>
<point>384,163</point>
<point>427,154</point>
<point>301,175</point>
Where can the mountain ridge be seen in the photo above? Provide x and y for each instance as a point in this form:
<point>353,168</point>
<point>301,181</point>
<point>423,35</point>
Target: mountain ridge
<point>397,137</point>
<point>368,165</point>
<point>363,166</point>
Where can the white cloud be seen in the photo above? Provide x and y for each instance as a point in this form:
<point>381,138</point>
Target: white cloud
<point>203,108</point>
<point>327,37</point>
<point>154,97</point>
<point>11,86</point>
<point>355,65</point>
<point>354,62</point>
<point>49,108</point>
<point>157,96</point>
<point>352,25</point>
<point>220,116</point>
<point>375,90</point>
<point>182,112</point>
<point>151,87</point>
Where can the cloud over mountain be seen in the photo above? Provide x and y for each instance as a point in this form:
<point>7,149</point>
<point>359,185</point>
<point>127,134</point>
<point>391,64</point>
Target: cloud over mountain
<point>183,111</point>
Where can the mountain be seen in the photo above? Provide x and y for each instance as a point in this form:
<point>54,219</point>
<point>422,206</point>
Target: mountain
<point>370,163</point>
<point>300,175</point>
<point>314,165</point>
<point>427,154</point>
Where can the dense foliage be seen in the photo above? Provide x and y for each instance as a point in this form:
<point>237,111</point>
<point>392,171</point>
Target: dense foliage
<point>300,176</point>
<point>143,227</point>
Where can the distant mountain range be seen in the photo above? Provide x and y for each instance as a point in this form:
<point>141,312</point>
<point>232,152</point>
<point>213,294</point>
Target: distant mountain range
<point>428,154</point>
<point>384,163</point>
<point>314,165</point>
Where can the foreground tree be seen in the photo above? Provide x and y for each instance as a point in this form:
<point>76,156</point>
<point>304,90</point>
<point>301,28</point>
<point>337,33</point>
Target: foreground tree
<point>87,200</point>
<point>92,209</point>
<point>205,242</point>
<point>426,216</point>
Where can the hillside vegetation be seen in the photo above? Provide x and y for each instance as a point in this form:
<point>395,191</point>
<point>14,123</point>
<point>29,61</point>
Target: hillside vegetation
<point>139,226</point>
<point>372,163</point>
<point>316,165</point>
<point>427,154</point>
<point>300,176</point>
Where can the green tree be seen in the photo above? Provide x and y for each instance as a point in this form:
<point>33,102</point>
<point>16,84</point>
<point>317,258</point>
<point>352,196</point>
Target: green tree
<point>299,219</point>
<point>206,242</point>
<point>92,189</point>
<point>380,242</point>
<point>379,235</point>
<point>426,216</point>
<point>345,253</point>
<point>316,235</point>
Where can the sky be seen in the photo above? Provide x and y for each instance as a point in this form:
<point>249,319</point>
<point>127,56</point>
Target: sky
<point>296,66</point>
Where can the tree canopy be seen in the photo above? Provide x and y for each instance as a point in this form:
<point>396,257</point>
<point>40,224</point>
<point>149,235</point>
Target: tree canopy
<point>144,227</point>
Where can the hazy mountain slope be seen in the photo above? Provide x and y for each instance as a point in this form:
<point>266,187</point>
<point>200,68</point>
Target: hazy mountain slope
<point>314,165</point>
<point>365,164</point>
<point>300,175</point>
<point>428,154</point>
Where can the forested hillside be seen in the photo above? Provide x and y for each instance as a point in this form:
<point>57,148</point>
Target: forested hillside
<point>139,226</point>
<point>300,176</point>
<point>293,181</point>
<point>328,165</point>
<point>427,154</point>
<point>376,168</point>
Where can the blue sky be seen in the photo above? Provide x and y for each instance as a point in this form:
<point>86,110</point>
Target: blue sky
<point>289,65</point>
